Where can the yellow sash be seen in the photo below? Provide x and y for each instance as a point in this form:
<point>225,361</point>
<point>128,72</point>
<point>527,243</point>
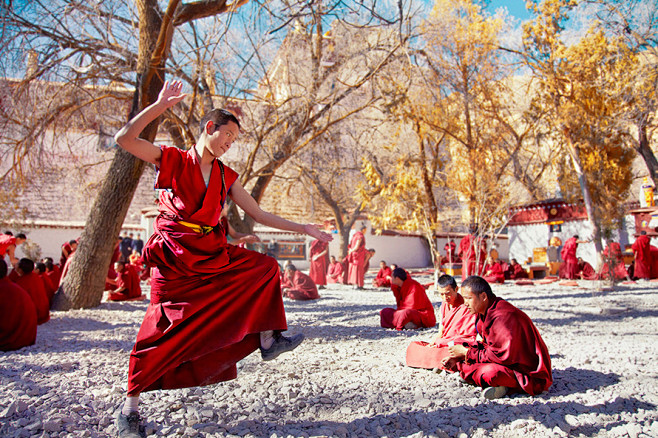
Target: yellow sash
<point>201,229</point>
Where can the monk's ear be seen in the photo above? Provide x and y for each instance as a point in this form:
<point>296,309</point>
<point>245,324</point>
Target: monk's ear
<point>209,128</point>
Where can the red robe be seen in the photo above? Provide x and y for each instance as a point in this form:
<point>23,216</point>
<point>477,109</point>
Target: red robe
<point>129,279</point>
<point>318,270</point>
<point>33,285</point>
<point>613,261</point>
<point>209,300</point>
<point>54,275</point>
<point>51,287</point>
<point>569,268</point>
<point>586,271</point>
<point>467,254</point>
<point>18,317</point>
<point>111,273</point>
<point>412,306</point>
<point>517,272</point>
<point>357,260</point>
<point>458,327</point>
<point>335,273</point>
<point>451,253</point>
<point>65,256</point>
<point>512,353</point>
<point>494,273</point>
<point>383,278</point>
<point>642,249</point>
<point>301,288</point>
<point>5,242</point>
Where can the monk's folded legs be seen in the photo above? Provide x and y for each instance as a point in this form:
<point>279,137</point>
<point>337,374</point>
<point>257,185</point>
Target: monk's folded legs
<point>489,374</point>
<point>397,319</point>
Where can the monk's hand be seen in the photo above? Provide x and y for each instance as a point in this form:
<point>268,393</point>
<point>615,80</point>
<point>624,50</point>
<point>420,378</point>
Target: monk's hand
<point>171,94</point>
<point>250,238</point>
<point>458,352</point>
<point>314,231</point>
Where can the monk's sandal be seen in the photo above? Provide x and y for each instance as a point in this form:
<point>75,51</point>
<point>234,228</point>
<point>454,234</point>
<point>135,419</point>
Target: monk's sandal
<point>494,392</point>
<point>128,426</point>
<point>281,345</point>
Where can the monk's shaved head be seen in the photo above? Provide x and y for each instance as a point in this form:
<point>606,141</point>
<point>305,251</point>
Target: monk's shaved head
<point>478,285</point>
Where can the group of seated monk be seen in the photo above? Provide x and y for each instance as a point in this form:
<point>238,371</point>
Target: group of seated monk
<point>487,340</point>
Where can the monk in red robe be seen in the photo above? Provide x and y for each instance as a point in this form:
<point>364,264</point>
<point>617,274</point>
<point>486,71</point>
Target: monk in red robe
<point>467,255</point>
<point>68,248</point>
<point>511,357</point>
<point>414,309</point>
<point>299,285</point>
<point>642,250</point>
<point>457,326</point>
<point>51,288</point>
<point>127,282</point>
<point>569,268</point>
<point>29,280</point>
<point>383,278</point>
<point>8,245</point>
<point>493,272</point>
<point>613,262</point>
<point>451,256</point>
<point>586,271</point>
<point>212,303</point>
<point>319,256</point>
<point>18,315</point>
<point>357,255</point>
<point>334,272</point>
<point>110,280</point>
<point>516,271</point>
<point>52,270</point>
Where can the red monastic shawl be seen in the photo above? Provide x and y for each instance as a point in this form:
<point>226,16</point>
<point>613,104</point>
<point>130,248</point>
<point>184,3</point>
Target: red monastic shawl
<point>302,288</point>
<point>209,300</point>
<point>33,285</point>
<point>129,279</point>
<point>5,242</point>
<point>357,259</point>
<point>509,338</point>
<point>383,277</point>
<point>18,317</point>
<point>613,258</point>
<point>642,249</point>
<point>494,273</point>
<point>570,267</point>
<point>517,272</point>
<point>412,295</point>
<point>586,271</point>
<point>335,273</point>
<point>318,270</point>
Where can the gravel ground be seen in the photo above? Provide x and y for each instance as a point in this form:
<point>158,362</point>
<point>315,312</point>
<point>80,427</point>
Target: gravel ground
<point>348,378</point>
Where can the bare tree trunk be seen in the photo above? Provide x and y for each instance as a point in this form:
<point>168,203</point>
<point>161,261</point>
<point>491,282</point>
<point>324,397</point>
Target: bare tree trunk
<point>644,149</point>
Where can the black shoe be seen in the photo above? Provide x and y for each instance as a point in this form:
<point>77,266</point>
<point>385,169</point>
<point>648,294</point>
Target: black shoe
<point>281,345</point>
<point>128,426</point>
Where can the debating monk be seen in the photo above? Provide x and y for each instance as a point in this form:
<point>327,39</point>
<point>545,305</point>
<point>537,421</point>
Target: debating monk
<point>212,303</point>
<point>357,256</point>
<point>319,255</point>
<point>299,286</point>
<point>457,325</point>
<point>18,315</point>
<point>414,310</point>
<point>8,244</point>
<point>642,250</point>
<point>511,357</point>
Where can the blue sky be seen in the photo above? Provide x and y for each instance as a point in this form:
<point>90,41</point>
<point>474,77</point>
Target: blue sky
<point>514,7</point>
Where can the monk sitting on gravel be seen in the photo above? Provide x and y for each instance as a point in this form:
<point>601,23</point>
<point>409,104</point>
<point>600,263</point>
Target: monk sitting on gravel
<point>457,326</point>
<point>18,315</point>
<point>298,286</point>
<point>516,271</point>
<point>414,310</point>
<point>383,278</point>
<point>335,272</point>
<point>585,270</point>
<point>29,280</point>
<point>493,272</point>
<point>511,357</point>
<point>127,282</point>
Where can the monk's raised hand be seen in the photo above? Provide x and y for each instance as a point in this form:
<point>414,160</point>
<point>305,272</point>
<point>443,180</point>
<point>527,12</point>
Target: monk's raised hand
<point>314,231</point>
<point>171,94</point>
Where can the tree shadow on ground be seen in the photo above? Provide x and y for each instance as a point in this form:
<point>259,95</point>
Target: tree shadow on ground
<point>581,317</point>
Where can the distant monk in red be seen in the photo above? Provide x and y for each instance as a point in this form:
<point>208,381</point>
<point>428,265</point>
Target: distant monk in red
<point>450,249</point>
<point>516,271</point>
<point>586,271</point>
<point>8,245</point>
<point>569,268</point>
<point>299,286</point>
<point>642,249</point>
<point>414,310</point>
<point>319,255</point>
<point>457,326</point>
<point>613,261</point>
<point>212,303</point>
<point>493,272</point>
<point>29,280</point>
<point>511,357</point>
<point>334,272</point>
<point>383,278</point>
<point>467,254</point>
<point>52,270</point>
<point>51,288</point>
<point>127,283</point>
<point>68,248</point>
<point>357,255</point>
<point>18,315</point>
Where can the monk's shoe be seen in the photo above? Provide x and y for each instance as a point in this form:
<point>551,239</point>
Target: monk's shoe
<point>494,392</point>
<point>128,426</point>
<point>281,345</point>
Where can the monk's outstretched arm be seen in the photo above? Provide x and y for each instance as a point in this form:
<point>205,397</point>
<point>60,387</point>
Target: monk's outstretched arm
<point>128,136</point>
<point>244,200</point>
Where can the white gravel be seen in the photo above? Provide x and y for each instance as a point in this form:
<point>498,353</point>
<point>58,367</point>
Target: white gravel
<point>348,377</point>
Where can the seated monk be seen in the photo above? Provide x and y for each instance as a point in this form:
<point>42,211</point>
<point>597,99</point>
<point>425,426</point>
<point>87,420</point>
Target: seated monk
<point>493,273</point>
<point>414,309</point>
<point>457,326</point>
<point>512,356</point>
<point>299,285</point>
<point>516,271</point>
<point>52,270</point>
<point>33,285</point>
<point>127,283</point>
<point>613,261</point>
<point>18,315</point>
<point>334,272</point>
<point>585,270</point>
<point>51,287</point>
<point>383,278</point>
